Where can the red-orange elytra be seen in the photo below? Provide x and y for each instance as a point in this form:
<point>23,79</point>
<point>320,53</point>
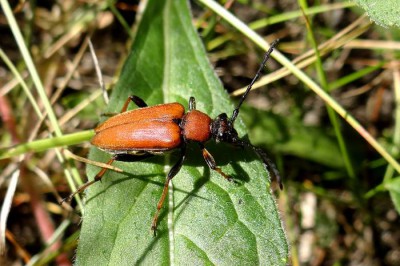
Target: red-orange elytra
<point>145,129</point>
<point>148,131</point>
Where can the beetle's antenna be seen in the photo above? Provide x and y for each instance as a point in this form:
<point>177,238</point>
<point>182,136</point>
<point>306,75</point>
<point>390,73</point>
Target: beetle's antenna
<point>268,164</point>
<point>266,57</point>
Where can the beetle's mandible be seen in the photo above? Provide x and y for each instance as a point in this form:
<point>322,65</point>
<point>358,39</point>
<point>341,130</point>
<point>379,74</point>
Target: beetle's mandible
<point>138,134</point>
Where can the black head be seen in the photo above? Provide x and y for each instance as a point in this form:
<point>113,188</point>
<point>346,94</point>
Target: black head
<point>222,129</point>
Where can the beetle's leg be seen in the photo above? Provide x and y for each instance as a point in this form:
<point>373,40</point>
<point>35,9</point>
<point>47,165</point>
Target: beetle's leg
<point>137,100</point>
<point>89,183</point>
<point>211,163</point>
<point>100,174</point>
<point>108,114</point>
<point>192,103</point>
<point>174,170</point>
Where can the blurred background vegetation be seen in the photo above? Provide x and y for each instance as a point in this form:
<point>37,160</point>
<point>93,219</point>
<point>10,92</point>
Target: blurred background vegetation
<point>340,196</point>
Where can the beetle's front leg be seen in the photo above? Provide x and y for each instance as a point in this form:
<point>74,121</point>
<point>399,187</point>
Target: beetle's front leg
<point>192,103</point>
<point>174,170</point>
<point>212,164</point>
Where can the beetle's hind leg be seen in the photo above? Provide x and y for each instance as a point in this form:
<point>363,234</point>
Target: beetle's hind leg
<point>212,164</point>
<point>133,98</point>
<point>89,183</point>
<point>174,170</point>
<point>137,100</point>
<point>100,174</point>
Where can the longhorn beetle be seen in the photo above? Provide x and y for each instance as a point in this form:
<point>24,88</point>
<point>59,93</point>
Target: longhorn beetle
<point>142,133</point>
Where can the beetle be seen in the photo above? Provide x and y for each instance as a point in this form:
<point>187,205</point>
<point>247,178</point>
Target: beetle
<point>153,130</point>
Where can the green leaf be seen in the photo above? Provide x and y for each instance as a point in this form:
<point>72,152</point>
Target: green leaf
<point>385,13</point>
<point>393,186</point>
<point>205,220</point>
